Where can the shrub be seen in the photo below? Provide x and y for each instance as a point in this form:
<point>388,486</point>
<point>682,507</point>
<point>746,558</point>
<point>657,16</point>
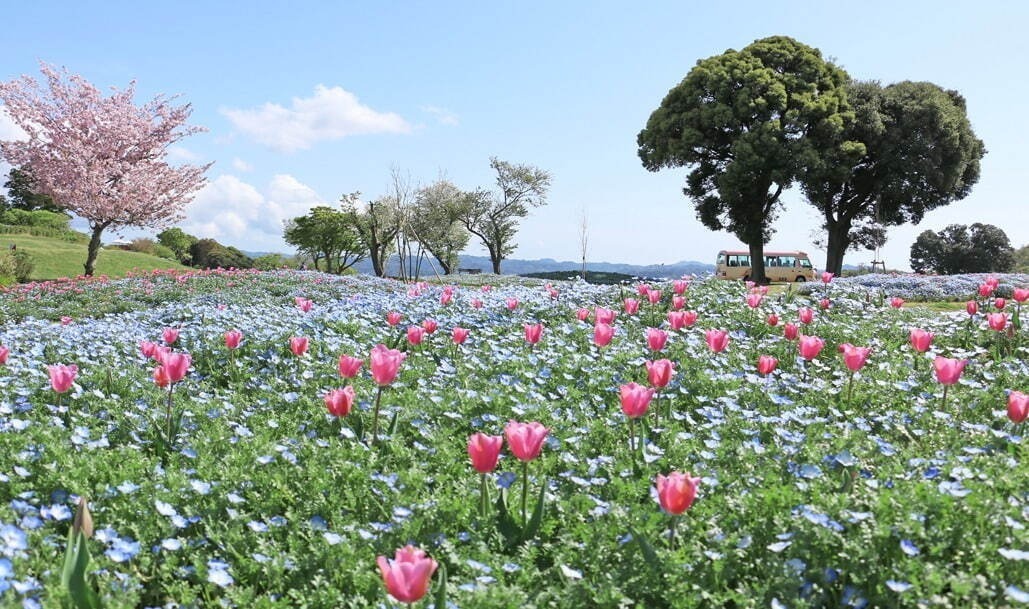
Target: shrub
<point>23,265</point>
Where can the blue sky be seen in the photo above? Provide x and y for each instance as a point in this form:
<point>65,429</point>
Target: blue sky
<point>306,101</point>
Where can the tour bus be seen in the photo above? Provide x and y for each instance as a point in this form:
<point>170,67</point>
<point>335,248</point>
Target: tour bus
<point>779,266</point>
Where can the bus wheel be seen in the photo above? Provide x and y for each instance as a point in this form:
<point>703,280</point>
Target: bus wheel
<point>800,279</point>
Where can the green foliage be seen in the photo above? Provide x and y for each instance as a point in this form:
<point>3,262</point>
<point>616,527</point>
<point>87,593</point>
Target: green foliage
<point>209,254</point>
<point>909,149</point>
<point>21,193</point>
<point>327,235</point>
<point>746,123</point>
<point>177,241</point>
<point>39,217</point>
<point>1021,256</point>
<point>151,247</point>
<point>270,262</point>
<point>979,248</point>
<point>378,225</point>
<point>434,223</point>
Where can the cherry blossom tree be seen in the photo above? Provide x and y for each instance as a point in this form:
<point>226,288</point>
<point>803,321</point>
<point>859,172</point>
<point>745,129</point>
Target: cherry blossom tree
<point>101,158</point>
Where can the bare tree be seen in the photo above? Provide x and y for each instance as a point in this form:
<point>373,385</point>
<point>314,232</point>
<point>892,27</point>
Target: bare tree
<point>584,240</point>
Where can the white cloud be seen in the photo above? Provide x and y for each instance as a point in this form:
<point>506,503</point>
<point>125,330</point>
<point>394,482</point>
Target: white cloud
<point>240,165</point>
<point>443,116</point>
<point>182,155</point>
<point>331,113</point>
<point>9,130</point>
<point>236,213</point>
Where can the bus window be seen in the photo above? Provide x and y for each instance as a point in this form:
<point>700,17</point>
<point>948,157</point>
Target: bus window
<point>787,261</point>
<point>721,259</point>
<point>804,262</point>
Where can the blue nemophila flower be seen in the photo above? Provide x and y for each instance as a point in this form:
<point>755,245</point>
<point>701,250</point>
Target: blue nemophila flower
<point>122,549</point>
<point>1016,594</point>
<point>332,538</point>
<point>506,479</point>
<point>13,541</point>
<point>218,573</point>
<point>1014,554</point>
<point>898,586</point>
<point>909,548</point>
<point>779,546</point>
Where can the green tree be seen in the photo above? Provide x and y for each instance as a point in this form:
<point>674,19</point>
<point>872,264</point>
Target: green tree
<point>1022,259</point>
<point>327,234</point>
<point>177,241</point>
<point>910,149</point>
<point>979,248</point>
<point>493,217</point>
<point>209,254</point>
<point>745,123</point>
<point>378,226</point>
<point>22,193</point>
<point>271,262</point>
<point>433,222</point>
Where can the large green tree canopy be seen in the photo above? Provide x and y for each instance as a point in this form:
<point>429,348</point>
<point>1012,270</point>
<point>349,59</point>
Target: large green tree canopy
<point>909,149</point>
<point>745,123</point>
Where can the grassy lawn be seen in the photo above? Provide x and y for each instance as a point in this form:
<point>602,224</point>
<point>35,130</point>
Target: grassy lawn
<point>54,258</point>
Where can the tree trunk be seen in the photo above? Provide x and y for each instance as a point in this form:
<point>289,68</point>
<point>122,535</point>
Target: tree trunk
<point>494,257</point>
<point>836,246</point>
<point>94,249</point>
<point>376,262</point>
<point>757,262</point>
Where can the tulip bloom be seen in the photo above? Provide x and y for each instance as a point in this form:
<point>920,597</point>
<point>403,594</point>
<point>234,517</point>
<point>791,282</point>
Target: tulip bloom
<point>717,340</point>
<point>766,364</point>
<point>679,286</point>
<point>349,366</point>
<point>653,296</point>
<point>415,334</point>
<point>65,320</point>
<point>161,378</point>
<point>972,307</point>
<point>642,289</point>
<point>430,325</point>
<point>393,318</point>
<point>407,575</point>
<point>992,281</point>
<point>170,335</point>
<point>62,377</point>
<point>948,371</point>
<point>1021,295</point>
<point>385,364</point>
<point>525,439</point>
<point>689,318</point>
<point>303,304</point>
<point>824,303</point>
<point>854,357</point>
<point>920,339</point>
<point>602,334</point>
<point>339,402</point>
<point>484,451</point>
<point>805,315</point>
<point>582,314</point>
<point>986,290</point>
<point>512,304</point>
<point>810,347</point>
<point>678,302</point>
<point>999,303</point>
<point>997,321</point>
<point>604,316</point>
<point>533,332</point>
<point>656,339</point>
<point>790,331</point>
<point>298,345</point>
<point>754,300</point>
<point>476,303</point>
<point>660,373</point>
<point>446,297</point>
<point>676,492</point>
<point>773,320</point>
<point>635,399</point>
<point>176,364</point>
<point>631,306</point>
<point>459,335</point>
<point>827,277</point>
<point>232,339</point>
<point>1018,406</point>
<point>5,352</point>
<point>676,320</point>
<point>896,302</point>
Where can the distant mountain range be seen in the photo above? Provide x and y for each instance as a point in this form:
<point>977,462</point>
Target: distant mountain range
<point>516,266</point>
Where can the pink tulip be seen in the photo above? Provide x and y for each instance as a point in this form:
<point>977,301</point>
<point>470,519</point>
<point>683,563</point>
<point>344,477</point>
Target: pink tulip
<point>604,316</point>
<point>476,303</point>
<point>303,304</point>
<point>170,335</point>
<point>854,357</point>
<point>660,373</point>
<point>749,284</point>
<point>525,439</point>
<point>459,335</point>
<point>339,402</point>
<point>298,345</point>
<point>385,364</point>
<point>824,304</point>
<point>999,303</point>
<point>997,321</point>
<point>415,334</point>
<point>65,320</point>
<point>810,347</point>
<point>790,331</point>
<point>176,364</point>
<point>484,451</point>
<point>717,340</point>
<point>805,315</point>
<point>986,290</point>
<point>533,332</point>
<point>773,320</point>
<point>160,353</point>
<point>642,289</point>
<point>689,318</point>
<point>754,300</point>
<point>654,296</point>
<point>5,352</point>
<point>676,492</point>
<point>512,304</point>
<point>446,297</point>
<point>631,306</point>
<point>147,348</point>
<point>896,302</point>
<point>992,281</point>
<point>1018,406</point>
<point>827,277</point>
<point>349,366</point>
<point>766,364</point>
<point>679,286</point>
<point>656,339</point>
<point>760,289</point>
<point>430,326</point>
<point>62,377</point>
<point>486,288</point>
<point>676,320</point>
<point>948,371</point>
<point>972,307</point>
<point>407,575</point>
<point>602,334</point>
<point>582,314</point>
<point>552,292</point>
<point>232,339</point>
<point>635,399</point>
<point>678,302</point>
<point>921,340</point>
<point>1021,295</point>
<point>161,377</point>
<point>393,318</point>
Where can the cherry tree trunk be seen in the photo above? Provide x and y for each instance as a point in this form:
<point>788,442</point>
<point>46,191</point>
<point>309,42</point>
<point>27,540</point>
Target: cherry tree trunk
<point>94,249</point>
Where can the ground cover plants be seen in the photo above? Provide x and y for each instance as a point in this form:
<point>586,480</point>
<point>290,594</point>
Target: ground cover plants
<point>244,442</point>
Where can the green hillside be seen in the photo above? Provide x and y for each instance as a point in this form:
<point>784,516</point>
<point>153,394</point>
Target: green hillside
<point>55,258</point>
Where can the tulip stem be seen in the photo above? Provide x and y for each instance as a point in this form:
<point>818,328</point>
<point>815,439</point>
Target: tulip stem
<point>525,493</point>
<point>850,388</point>
<point>482,497</point>
<point>375,416</point>
<point>672,531</point>
<point>632,437</point>
<point>943,406</point>
<point>168,414</point>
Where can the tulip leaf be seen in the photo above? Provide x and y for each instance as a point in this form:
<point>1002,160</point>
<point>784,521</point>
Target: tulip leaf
<point>505,523</point>
<point>392,429</point>
<point>73,575</point>
<point>440,595</point>
<point>649,554</point>
<point>537,515</point>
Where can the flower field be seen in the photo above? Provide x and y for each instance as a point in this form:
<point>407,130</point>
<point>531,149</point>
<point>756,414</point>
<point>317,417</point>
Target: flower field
<point>244,441</point>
